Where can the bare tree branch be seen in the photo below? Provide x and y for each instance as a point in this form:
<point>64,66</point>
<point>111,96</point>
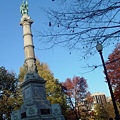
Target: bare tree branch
<point>81,24</point>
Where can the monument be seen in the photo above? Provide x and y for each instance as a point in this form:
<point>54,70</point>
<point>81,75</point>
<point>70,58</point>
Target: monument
<point>35,106</point>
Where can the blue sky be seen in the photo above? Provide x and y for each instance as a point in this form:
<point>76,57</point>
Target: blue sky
<point>61,63</point>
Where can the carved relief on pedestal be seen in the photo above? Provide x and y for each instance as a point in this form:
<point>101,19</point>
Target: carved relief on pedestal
<point>31,110</point>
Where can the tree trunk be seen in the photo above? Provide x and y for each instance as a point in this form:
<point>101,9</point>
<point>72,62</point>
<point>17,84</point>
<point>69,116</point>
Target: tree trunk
<point>1,117</point>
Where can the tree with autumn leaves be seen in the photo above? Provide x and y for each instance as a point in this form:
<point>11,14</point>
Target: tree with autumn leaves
<point>76,91</point>
<point>76,88</point>
<point>113,70</point>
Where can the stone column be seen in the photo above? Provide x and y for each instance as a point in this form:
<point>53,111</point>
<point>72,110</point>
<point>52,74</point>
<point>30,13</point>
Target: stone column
<point>28,44</point>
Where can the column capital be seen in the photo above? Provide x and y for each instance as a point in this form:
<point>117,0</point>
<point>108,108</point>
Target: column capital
<point>26,20</point>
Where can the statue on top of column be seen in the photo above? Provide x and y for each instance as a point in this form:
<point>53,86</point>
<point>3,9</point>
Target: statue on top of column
<point>24,8</point>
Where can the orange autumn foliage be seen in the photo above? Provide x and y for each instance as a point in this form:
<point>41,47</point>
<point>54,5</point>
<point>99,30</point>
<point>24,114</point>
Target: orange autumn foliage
<point>113,70</point>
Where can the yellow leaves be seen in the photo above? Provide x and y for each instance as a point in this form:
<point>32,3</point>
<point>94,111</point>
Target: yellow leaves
<point>22,74</point>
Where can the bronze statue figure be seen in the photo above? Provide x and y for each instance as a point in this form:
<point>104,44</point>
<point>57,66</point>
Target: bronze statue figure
<point>24,8</point>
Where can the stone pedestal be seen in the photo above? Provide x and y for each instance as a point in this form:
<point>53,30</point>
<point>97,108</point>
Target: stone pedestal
<point>36,106</point>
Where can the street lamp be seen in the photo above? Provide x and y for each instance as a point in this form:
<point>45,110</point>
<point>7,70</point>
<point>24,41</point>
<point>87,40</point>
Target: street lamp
<point>99,48</point>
